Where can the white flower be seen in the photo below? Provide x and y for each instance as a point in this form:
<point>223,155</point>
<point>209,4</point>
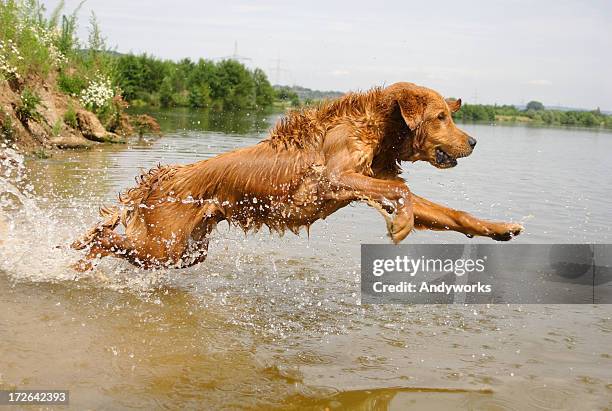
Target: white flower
<point>98,93</point>
<point>49,39</point>
<point>8,52</point>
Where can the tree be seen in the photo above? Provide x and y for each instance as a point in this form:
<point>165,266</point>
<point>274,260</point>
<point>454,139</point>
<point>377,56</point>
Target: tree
<point>129,76</point>
<point>199,96</point>
<point>264,93</point>
<point>224,85</point>
<point>235,87</point>
<point>535,106</point>
<point>203,73</point>
<point>165,93</point>
<point>285,93</point>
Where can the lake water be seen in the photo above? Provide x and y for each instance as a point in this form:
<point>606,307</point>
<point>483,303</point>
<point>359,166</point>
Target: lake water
<point>269,322</point>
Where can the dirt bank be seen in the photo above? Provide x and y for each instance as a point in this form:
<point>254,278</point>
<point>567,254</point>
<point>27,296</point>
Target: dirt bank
<point>57,120</point>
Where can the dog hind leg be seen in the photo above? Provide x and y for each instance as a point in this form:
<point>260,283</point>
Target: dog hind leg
<point>113,219</point>
<point>106,243</point>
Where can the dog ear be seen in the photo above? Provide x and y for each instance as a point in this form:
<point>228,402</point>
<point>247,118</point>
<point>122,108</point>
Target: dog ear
<point>412,108</point>
<point>453,105</point>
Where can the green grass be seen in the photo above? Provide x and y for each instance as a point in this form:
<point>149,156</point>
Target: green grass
<point>57,128</point>
<point>70,117</point>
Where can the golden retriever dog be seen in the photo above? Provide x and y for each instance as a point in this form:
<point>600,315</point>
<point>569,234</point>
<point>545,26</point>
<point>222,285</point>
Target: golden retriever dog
<point>314,162</point>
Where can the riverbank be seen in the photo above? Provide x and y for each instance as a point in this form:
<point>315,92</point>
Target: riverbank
<point>53,93</point>
<point>539,115</point>
<point>37,118</point>
<point>34,117</point>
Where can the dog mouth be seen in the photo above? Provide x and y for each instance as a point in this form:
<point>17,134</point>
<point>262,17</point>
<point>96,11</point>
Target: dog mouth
<point>444,160</point>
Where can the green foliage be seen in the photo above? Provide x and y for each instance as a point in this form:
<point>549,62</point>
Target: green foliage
<point>488,113</point>
<point>165,93</point>
<point>70,117</point>
<point>71,84</point>
<point>22,49</point>
<point>234,86</point>
<point>535,106</point>
<point>139,74</point>
<point>472,112</point>
<point>33,44</point>
<point>224,85</point>
<point>264,93</point>
<point>96,42</point>
<point>28,105</point>
<point>286,94</point>
<point>144,124</point>
<point>111,114</point>
<point>199,96</point>
<point>67,42</point>
<point>7,132</point>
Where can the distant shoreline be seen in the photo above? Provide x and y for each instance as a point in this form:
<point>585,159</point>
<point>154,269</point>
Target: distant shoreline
<point>535,113</point>
<point>530,123</point>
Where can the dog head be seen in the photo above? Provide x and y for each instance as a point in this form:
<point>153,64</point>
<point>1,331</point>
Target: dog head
<point>433,135</point>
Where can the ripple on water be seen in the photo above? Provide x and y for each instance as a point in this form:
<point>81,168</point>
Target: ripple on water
<point>480,403</point>
<point>550,398</point>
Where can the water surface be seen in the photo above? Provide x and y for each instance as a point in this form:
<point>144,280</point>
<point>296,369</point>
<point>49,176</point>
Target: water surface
<point>271,322</point>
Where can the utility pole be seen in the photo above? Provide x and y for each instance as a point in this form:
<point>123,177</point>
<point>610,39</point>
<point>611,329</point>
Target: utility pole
<point>235,56</point>
<point>277,70</point>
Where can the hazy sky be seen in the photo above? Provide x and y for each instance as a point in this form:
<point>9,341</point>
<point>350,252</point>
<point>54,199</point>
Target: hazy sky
<point>558,52</point>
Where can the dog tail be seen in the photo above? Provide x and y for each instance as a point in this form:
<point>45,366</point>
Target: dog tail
<point>112,216</point>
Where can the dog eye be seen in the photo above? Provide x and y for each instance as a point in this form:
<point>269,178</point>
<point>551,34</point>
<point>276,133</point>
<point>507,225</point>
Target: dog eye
<point>441,116</point>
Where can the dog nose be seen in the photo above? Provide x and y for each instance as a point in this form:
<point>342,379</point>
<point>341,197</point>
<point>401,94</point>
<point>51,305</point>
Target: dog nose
<point>472,142</point>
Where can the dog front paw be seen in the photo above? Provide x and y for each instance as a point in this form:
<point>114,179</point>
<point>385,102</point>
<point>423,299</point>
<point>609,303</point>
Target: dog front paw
<point>401,226</point>
<point>507,231</point>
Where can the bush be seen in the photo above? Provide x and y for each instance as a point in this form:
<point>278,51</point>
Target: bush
<point>71,84</point>
<point>29,43</point>
<point>98,94</point>
<point>112,113</point>
<point>145,124</point>
<point>28,106</point>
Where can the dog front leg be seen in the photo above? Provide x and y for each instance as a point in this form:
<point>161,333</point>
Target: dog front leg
<point>384,195</point>
<point>432,216</point>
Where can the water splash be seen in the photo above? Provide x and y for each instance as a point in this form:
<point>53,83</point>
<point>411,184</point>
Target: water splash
<point>33,237</point>
<point>35,233</point>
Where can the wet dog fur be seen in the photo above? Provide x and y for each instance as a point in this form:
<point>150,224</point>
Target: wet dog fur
<point>314,162</point>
